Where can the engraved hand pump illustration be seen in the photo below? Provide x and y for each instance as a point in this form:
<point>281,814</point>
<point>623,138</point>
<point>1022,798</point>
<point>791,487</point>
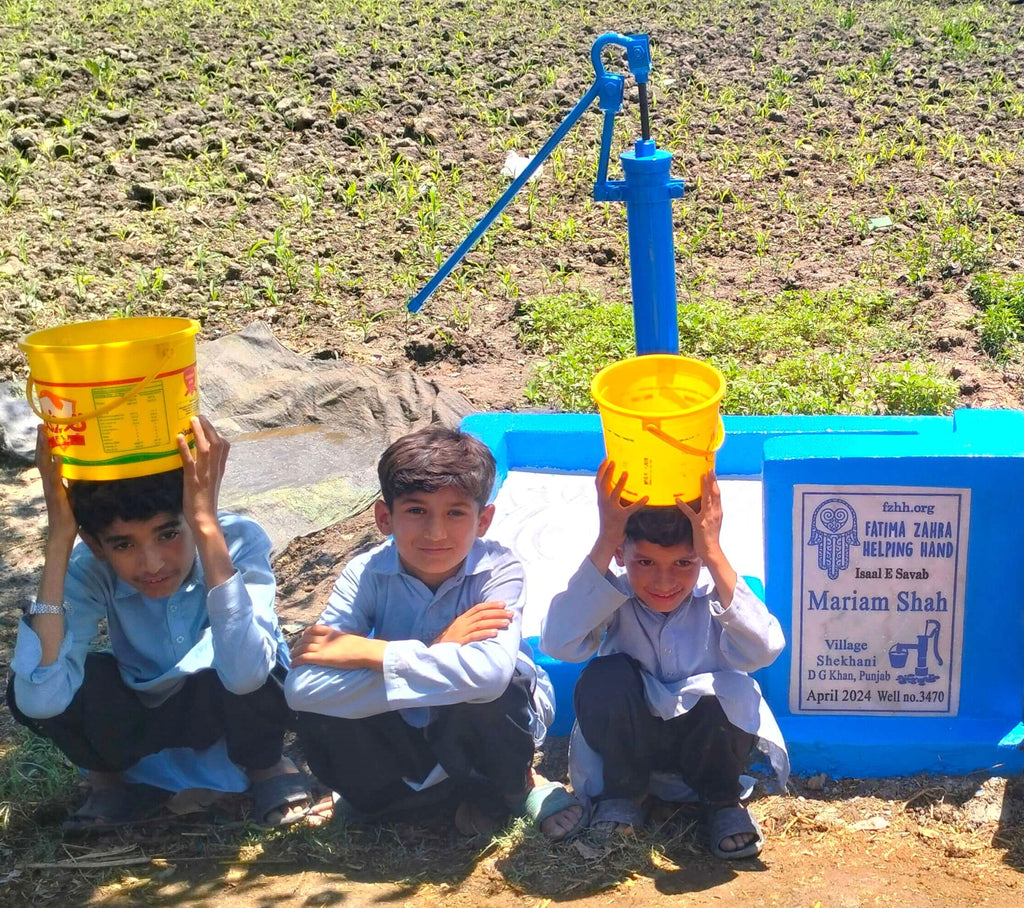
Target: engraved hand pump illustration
<point>898,653</point>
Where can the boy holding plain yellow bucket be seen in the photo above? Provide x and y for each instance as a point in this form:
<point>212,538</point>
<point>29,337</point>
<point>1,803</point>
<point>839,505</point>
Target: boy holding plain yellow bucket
<point>191,693</point>
<point>667,707</point>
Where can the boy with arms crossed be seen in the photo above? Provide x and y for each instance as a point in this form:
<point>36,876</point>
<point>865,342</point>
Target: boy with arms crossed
<point>669,690</point>
<point>417,672</point>
<point>188,597</point>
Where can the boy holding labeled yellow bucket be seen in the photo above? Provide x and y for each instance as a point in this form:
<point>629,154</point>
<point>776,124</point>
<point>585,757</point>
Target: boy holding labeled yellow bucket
<point>197,657</point>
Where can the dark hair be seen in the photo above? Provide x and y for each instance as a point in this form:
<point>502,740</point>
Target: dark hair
<point>436,458</point>
<point>97,504</point>
<point>662,526</point>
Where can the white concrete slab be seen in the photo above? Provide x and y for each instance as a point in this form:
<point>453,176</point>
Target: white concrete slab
<point>550,521</point>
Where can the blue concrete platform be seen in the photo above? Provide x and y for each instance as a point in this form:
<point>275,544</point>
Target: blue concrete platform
<point>892,563</point>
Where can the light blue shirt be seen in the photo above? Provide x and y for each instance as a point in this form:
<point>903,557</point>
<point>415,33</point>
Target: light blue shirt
<point>375,596</point>
<point>699,649</point>
<point>231,628</point>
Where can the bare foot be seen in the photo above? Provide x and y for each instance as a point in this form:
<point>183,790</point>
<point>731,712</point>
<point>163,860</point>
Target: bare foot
<point>321,812</point>
<point>561,823</point>
<point>736,842</point>
<point>617,816</point>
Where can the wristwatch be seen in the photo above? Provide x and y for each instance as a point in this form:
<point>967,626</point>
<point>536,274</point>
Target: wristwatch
<point>35,607</point>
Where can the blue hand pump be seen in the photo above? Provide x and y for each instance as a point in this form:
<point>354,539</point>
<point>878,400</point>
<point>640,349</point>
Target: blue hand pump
<point>647,192</point>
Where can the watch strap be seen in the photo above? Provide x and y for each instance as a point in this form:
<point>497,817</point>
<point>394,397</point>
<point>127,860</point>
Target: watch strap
<point>37,607</point>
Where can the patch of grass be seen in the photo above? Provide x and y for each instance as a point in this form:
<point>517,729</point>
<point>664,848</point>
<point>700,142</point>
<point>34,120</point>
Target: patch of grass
<point>914,389</point>
<point>32,771</point>
<point>799,352</point>
<point>1001,322</point>
<point>988,289</point>
<point>998,329</point>
<point>580,335</point>
<point>801,383</point>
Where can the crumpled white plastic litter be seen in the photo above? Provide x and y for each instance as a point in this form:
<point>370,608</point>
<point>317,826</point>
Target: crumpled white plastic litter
<point>515,164</point>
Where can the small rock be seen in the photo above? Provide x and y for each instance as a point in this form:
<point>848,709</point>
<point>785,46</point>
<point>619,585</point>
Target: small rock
<point>521,116</point>
<point>23,141</point>
<point>286,104</point>
<point>184,147</point>
<point>424,129</point>
<point>946,342</point>
<point>300,118</point>
<point>147,196</point>
<point>872,824</point>
<point>118,115</point>
<point>987,804</point>
<point>818,782</point>
<point>410,109</point>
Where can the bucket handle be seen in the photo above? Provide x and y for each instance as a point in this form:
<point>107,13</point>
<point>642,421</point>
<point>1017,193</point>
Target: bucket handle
<point>716,441</point>
<point>113,404</point>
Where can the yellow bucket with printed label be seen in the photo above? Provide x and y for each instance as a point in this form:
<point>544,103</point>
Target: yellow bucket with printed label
<point>661,423</point>
<point>114,394</point>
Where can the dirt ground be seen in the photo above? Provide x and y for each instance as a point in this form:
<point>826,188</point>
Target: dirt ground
<point>157,164</point>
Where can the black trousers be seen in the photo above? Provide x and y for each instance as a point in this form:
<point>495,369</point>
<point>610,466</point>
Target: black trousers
<point>702,746</point>
<point>366,760</point>
<point>108,729</point>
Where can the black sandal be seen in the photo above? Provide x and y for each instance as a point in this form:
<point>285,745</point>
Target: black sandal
<point>106,809</point>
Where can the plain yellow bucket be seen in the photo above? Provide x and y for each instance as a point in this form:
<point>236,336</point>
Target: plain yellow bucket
<point>114,394</point>
<point>661,423</point>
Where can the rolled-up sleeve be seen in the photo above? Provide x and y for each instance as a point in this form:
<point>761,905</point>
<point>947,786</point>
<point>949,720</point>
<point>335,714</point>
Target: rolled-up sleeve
<point>344,693</point>
<point>43,691</point>
<point>243,622</point>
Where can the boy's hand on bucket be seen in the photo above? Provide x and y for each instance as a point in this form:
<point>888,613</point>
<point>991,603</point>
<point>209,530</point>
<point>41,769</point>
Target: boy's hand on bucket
<point>707,531</point>
<point>613,513</point>
<point>203,474</point>
<point>61,523</point>
<point>706,522</point>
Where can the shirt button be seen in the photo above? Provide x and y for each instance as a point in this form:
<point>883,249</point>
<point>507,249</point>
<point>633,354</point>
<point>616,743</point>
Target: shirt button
<point>173,608</point>
<point>180,640</point>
